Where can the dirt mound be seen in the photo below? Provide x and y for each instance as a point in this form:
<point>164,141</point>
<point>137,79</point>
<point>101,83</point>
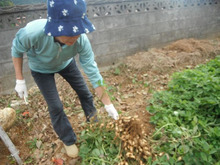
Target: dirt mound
<point>191,45</point>
<point>182,53</point>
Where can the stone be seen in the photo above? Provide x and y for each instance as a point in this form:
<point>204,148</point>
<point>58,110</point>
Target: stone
<point>7,117</point>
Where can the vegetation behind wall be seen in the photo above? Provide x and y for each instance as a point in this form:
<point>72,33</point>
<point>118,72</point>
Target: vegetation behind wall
<point>5,3</point>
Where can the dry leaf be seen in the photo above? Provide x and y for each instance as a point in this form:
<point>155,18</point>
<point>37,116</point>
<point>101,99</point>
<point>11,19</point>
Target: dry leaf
<point>57,161</point>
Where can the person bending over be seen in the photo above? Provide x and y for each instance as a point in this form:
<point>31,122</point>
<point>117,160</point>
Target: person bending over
<point>51,45</point>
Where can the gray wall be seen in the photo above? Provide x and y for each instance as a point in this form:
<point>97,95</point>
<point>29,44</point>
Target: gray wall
<point>123,28</point>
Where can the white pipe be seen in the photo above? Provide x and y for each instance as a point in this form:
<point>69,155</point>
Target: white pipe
<point>10,145</point>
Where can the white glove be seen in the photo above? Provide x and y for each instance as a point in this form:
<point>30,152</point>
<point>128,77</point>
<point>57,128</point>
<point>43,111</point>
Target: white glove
<point>21,88</point>
<point>112,112</point>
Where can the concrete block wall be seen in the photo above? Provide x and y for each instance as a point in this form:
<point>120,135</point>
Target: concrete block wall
<point>150,24</point>
<point>122,28</point>
<point>11,20</point>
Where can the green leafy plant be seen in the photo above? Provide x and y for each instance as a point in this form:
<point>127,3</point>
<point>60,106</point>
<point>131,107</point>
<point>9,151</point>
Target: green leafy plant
<point>11,159</point>
<point>98,145</point>
<point>187,117</point>
<point>117,71</point>
<point>5,3</point>
<point>32,143</point>
<point>29,160</point>
<point>108,89</point>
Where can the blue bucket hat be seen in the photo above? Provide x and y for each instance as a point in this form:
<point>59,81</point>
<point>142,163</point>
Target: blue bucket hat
<point>67,18</point>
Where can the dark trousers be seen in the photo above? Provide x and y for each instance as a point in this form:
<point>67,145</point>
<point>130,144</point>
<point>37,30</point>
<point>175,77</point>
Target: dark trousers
<point>47,86</point>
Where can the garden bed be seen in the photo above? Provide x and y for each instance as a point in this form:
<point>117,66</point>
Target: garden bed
<point>130,85</point>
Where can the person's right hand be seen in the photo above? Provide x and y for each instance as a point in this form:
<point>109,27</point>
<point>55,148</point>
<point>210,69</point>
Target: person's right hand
<point>21,88</point>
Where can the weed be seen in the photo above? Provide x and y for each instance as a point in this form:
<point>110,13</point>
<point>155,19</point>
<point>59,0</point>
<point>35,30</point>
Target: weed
<point>117,71</point>
<point>11,159</point>
<point>108,89</point>
<point>29,160</point>
<point>32,144</point>
<point>146,84</point>
<point>18,111</point>
<point>134,79</point>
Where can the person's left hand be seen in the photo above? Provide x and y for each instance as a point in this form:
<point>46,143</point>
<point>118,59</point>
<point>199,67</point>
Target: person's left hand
<point>112,112</point>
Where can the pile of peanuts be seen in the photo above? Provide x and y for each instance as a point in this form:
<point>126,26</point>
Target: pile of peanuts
<point>131,132</point>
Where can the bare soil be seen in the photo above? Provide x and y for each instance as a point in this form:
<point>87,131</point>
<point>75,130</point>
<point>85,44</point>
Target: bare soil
<point>131,85</point>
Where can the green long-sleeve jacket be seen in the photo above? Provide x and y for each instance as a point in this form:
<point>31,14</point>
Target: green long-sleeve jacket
<point>47,56</point>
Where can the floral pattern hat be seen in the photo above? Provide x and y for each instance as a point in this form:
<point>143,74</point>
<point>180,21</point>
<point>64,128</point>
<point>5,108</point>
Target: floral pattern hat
<point>67,18</point>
